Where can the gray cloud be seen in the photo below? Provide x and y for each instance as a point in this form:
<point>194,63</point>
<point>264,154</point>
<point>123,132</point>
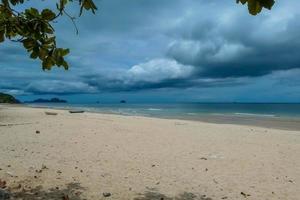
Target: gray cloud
<point>59,87</point>
<point>150,45</point>
<point>232,44</point>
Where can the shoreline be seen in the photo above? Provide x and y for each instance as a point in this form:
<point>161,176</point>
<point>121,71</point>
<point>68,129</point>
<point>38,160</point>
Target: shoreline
<point>278,122</point>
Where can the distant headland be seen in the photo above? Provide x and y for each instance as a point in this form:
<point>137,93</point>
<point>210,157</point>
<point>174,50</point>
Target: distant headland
<point>53,100</point>
<point>7,98</point>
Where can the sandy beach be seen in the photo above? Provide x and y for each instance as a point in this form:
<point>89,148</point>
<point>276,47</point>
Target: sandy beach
<point>100,156</point>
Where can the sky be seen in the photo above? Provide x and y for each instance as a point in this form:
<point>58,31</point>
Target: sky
<point>164,51</point>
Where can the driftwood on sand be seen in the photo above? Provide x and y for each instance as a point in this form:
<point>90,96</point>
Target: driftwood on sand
<point>76,111</point>
<point>50,113</point>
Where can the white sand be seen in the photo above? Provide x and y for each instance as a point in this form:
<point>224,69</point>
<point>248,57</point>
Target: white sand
<point>143,158</point>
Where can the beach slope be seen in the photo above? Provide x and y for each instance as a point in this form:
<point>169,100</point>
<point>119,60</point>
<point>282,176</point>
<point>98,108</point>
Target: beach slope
<point>100,156</point>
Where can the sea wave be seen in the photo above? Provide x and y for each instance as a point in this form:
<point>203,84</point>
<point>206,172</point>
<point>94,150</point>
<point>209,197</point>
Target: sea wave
<point>154,109</point>
<point>218,114</point>
<point>192,113</point>
<point>255,114</point>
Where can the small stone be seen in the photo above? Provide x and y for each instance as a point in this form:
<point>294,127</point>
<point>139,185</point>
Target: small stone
<point>78,193</point>
<point>58,171</point>
<point>245,195</point>
<point>65,197</point>
<point>44,167</point>
<point>106,194</point>
<point>37,132</point>
<point>2,184</point>
<point>10,174</point>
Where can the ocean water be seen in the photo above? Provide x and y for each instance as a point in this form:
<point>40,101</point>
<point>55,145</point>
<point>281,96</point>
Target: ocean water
<point>189,110</point>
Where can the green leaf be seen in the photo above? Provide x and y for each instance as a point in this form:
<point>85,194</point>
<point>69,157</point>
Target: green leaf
<point>28,43</point>
<point>267,3</point>
<point>48,63</point>
<point>88,5</point>
<point>65,65</point>
<point>32,12</point>
<point>255,6</point>
<point>65,52</point>
<point>34,55</point>
<point>43,53</point>
<point>48,14</point>
<point>59,61</point>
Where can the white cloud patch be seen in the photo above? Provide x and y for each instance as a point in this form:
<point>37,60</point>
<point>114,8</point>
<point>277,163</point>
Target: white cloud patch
<point>158,70</point>
<point>156,73</point>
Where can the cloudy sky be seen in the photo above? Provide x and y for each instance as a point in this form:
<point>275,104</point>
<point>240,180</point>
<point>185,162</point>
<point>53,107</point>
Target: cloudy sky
<point>167,51</point>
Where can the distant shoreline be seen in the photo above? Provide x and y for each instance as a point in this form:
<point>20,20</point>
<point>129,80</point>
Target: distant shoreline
<point>264,121</point>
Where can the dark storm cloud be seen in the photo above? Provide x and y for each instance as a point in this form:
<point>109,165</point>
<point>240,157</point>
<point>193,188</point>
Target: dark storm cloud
<point>155,74</point>
<point>237,45</point>
<point>59,87</point>
<point>107,85</point>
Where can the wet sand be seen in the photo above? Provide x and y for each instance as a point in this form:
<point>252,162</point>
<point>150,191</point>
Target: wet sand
<point>282,123</point>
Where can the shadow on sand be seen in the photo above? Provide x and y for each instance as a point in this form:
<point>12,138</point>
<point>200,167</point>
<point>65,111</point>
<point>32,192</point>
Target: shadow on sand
<point>71,191</point>
<point>154,195</point>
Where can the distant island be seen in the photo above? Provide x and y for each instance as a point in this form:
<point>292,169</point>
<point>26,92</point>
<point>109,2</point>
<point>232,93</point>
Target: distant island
<point>53,100</point>
<point>7,98</point>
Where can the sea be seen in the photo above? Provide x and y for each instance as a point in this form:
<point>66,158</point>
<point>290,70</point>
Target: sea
<point>270,115</point>
<point>187,110</point>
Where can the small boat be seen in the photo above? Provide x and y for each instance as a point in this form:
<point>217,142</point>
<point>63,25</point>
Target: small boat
<point>76,111</point>
<point>50,113</point>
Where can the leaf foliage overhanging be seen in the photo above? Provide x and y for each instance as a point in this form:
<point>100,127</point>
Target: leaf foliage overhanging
<point>33,28</point>
<point>255,6</point>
